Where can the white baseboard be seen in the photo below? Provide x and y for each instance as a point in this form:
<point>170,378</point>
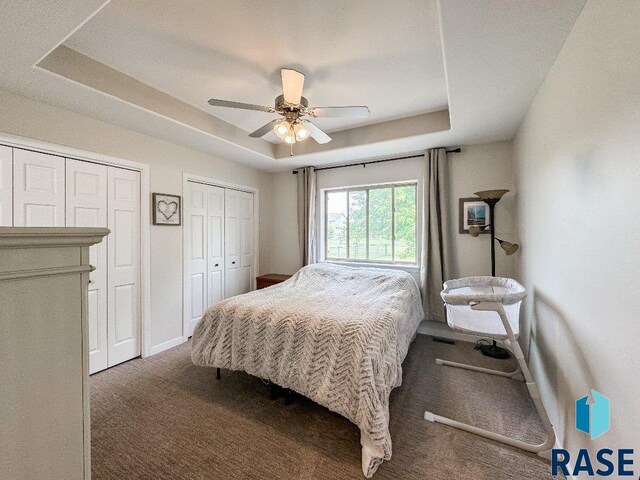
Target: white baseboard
<point>166,345</point>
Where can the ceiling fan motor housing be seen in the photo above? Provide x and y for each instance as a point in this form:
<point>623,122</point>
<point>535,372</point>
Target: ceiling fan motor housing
<point>281,105</point>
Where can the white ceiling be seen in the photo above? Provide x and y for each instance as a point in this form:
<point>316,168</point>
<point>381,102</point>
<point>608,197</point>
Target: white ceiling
<point>496,53</point>
<point>360,52</point>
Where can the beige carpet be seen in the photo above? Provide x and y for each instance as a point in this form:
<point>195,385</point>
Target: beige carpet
<point>164,418</point>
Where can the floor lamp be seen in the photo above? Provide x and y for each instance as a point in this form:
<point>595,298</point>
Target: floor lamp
<point>491,197</point>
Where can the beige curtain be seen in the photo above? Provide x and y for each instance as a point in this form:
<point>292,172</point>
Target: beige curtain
<point>436,263</point>
<point>307,215</point>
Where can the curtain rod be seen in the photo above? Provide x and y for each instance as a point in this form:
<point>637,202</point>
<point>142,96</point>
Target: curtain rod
<point>364,164</point>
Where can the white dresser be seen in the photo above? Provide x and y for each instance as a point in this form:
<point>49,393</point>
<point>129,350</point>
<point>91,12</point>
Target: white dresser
<point>44,361</point>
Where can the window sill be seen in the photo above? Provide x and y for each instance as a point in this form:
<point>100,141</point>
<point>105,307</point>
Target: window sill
<point>391,266</point>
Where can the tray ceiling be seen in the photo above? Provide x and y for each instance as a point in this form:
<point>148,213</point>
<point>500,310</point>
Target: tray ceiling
<point>387,55</point>
<point>150,66</point>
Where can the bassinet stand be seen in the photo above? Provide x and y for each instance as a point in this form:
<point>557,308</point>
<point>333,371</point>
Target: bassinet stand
<point>511,343</point>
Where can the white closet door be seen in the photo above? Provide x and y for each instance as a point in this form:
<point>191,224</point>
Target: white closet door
<point>123,265</point>
<point>232,243</point>
<point>215,241</point>
<point>195,283</point>
<point>6,186</point>
<point>245,204</point>
<point>38,189</point>
<point>87,207</point>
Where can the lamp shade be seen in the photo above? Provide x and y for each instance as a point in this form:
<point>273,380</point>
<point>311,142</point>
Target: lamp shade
<point>300,132</point>
<point>495,195</point>
<point>281,129</point>
<point>508,247</point>
<point>474,231</point>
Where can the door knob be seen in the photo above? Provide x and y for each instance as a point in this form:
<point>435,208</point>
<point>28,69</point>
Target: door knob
<point>216,264</point>
<point>233,263</point>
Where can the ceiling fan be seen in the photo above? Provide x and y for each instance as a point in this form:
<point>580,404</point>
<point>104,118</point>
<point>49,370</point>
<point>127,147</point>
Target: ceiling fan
<point>294,107</point>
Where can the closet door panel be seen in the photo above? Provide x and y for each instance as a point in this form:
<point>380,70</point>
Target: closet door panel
<point>123,313</point>
<point>215,240</point>
<point>86,206</point>
<point>232,243</point>
<point>247,247</point>
<point>38,189</point>
<point>232,278</point>
<point>6,186</point>
<point>195,282</point>
<point>247,275</point>
<point>216,287</point>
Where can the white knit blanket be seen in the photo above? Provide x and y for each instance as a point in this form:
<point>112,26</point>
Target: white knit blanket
<point>337,335</point>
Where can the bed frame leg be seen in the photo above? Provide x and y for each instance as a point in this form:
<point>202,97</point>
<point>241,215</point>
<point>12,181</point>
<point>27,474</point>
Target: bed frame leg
<point>275,391</point>
<point>218,377</point>
<point>289,397</point>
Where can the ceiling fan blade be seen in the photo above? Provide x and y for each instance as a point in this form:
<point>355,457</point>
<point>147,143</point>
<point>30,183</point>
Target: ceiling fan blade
<point>340,112</point>
<point>214,102</point>
<point>317,134</point>
<point>263,130</point>
<point>292,83</point>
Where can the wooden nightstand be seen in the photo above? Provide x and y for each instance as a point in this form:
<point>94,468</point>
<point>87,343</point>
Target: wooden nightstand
<point>265,281</point>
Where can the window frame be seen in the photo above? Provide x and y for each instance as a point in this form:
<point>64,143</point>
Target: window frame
<point>366,188</point>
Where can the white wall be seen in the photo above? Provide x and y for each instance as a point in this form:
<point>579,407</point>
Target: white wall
<point>477,167</point>
<point>28,118</point>
<point>578,173</point>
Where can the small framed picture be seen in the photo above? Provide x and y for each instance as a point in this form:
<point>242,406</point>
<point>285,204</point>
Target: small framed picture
<point>166,209</point>
<point>473,212</point>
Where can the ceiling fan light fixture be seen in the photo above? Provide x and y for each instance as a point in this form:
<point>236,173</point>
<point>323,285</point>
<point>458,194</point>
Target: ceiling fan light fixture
<point>281,129</point>
<point>300,132</point>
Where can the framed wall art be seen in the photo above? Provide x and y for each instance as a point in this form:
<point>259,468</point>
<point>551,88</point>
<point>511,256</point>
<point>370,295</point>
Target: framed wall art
<point>166,209</point>
<point>473,212</point>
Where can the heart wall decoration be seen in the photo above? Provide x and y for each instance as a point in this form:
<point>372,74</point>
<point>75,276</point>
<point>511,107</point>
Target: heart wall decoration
<point>166,209</point>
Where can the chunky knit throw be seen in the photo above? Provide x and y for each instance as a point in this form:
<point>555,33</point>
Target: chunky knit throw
<point>335,334</point>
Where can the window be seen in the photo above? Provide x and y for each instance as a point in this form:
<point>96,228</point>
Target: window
<point>376,224</point>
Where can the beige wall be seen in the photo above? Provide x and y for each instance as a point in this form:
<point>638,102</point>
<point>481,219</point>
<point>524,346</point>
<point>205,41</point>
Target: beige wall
<point>285,251</point>
<point>578,165</point>
<point>28,118</point>
<point>478,167</point>
<point>482,167</point>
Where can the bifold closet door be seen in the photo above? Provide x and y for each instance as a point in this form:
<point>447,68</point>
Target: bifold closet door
<point>239,242</point>
<point>219,248</point>
<point>232,242</point>
<point>86,206</point>
<point>123,272</point>
<point>195,282</point>
<point>6,186</point>
<point>215,245</point>
<point>246,241</point>
<point>204,253</point>
<point>38,189</point>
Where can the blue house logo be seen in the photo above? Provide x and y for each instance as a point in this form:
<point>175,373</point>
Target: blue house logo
<point>592,415</point>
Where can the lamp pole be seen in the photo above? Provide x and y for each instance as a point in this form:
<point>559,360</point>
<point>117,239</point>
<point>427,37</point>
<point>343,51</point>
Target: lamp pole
<point>491,197</point>
<point>492,229</point>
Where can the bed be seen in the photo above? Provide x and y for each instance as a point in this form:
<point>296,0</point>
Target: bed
<point>335,334</point>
